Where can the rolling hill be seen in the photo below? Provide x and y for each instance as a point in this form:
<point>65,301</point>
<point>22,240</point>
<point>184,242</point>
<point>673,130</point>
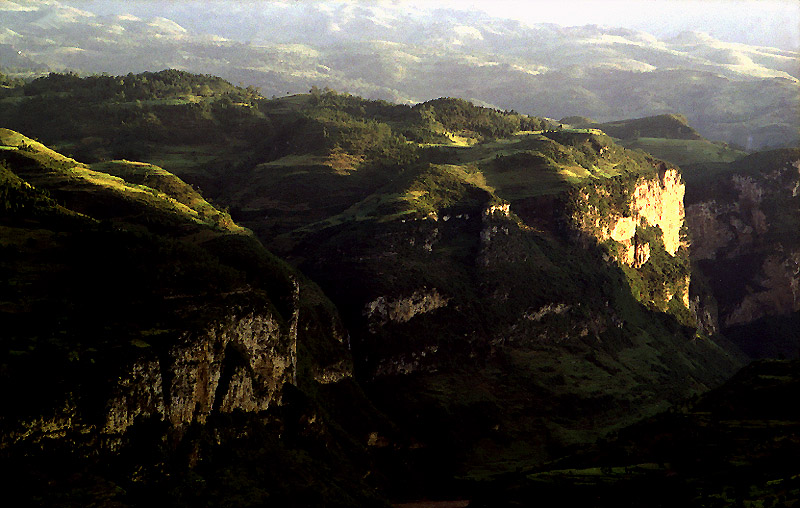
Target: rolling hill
<point>668,137</point>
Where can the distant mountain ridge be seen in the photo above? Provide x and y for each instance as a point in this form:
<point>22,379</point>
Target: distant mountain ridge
<point>729,92</point>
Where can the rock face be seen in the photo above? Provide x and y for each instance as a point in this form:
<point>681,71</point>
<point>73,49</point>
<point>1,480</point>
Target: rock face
<point>745,237</point>
<point>622,211</point>
<point>139,392</point>
<point>239,364</point>
<point>382,310</point>
<point>779,293</point>
<point>649,201</point>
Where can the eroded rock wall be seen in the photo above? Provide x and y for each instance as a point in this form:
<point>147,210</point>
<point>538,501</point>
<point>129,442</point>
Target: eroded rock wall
<point>745,229</point>
<point>384,309</point>
<point>238,363</point>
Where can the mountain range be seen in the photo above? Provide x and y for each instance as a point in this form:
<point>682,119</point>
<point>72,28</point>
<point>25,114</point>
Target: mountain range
<point>351,254</point>
<point>747,95</point>
<point>211,296</point>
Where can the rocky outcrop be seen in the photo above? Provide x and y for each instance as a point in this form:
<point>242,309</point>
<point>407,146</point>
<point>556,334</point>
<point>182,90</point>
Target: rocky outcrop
<point>383,310</point>
<point>406,363</point>
<point>649,201</point>
<point>709,233</point>
<point>660,203</point>
<point>623,210</point>
<point>547,310</point>
<point>238,364</point>
<point>728,224</point>
<point>496,220</point>
<point>139,392</point>
<point>778,290</point>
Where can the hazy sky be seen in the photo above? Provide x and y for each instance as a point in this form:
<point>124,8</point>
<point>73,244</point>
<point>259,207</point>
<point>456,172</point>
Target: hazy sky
<point>762,22</point>
<point>774,22</point>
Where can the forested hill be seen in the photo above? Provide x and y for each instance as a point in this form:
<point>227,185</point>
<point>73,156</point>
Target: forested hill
<point>169,83</point>
<point>196,125</point>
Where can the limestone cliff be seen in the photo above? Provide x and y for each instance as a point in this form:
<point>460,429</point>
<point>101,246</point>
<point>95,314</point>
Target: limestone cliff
<point>240,364</point>
<point>236,365</point>
<point>654,202</point>
<point>635,216</point>
<point>382,310</point>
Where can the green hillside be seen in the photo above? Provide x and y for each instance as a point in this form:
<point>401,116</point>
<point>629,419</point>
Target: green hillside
<point>685,151</point>
<point>661,126</point>
<point>668,137</point>
<point>164,197</point>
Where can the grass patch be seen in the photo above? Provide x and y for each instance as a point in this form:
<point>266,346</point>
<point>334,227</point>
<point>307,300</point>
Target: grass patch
<point>685,151</point>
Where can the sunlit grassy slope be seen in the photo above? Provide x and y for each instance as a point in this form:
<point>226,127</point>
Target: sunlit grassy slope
<point>155,191</point>
<point>169,189</point>
<point>668,137</point>
<point>685,151</point>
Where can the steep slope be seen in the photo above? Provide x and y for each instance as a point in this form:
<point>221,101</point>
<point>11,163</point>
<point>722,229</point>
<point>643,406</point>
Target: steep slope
<point>745,217</point>
<point>144,333</point>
